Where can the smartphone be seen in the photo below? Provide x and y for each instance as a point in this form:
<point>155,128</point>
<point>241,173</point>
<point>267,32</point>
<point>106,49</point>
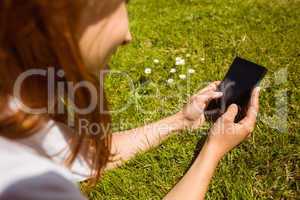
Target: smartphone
<point>240,80</point>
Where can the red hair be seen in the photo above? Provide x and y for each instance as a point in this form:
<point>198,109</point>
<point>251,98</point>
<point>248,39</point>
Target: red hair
<point>38,34</point>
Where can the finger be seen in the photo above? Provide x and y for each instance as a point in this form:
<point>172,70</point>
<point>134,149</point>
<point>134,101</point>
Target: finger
<point>200,102</point>
<point>208,96</point>
<point>212,86</point>
<point>250,118</point>
<point>249,136</point>
<point>216,83</point>
<point>254,102</point>
<point>231,113</point>
<point>253,105</point>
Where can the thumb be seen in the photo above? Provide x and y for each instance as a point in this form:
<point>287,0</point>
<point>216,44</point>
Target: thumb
<point>231,113</point>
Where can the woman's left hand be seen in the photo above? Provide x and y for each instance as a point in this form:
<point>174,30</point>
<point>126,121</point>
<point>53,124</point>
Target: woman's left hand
<point>193,111</point>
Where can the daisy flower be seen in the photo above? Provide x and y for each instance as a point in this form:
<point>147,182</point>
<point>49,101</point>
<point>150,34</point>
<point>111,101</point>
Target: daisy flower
<point>156,61</point>
<point>148,70</point>
<point>173,70</point>
<point>191,71</point>
<point>170,81</point>
<point>182,76</point>
<point>178,58</point>
<point>179,61</point>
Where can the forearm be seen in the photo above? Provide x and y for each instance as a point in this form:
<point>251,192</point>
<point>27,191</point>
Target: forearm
<point>127,144</point>
<point>194,184</point>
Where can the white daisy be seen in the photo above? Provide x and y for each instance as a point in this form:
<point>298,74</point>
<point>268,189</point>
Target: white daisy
<point>180,62</point>
<point>156,61</point>
<point>173,70</point>
<point>170,81</point>
<point>148,70</point>
<point>182,76</point>
<point>191,71</point>
<point>178,58</point>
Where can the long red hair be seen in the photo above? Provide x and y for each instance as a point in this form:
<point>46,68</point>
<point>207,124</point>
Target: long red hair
<point>38,34</point>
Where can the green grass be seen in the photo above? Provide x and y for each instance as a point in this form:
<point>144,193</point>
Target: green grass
<point>265,31</point>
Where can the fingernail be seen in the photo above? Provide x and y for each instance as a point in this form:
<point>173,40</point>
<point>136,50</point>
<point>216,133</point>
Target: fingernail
<point>218,94</point>
<point>258,88</point>
<point>233,105</point>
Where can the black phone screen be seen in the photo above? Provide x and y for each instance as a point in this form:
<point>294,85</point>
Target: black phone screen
<point>237,86</point>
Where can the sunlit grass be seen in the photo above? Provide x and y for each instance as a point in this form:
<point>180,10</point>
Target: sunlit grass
<point>212,33</point>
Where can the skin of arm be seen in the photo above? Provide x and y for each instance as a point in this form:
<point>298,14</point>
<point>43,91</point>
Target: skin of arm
<point>126,144</point>
<point>195,182</point>
<point>224,136</point>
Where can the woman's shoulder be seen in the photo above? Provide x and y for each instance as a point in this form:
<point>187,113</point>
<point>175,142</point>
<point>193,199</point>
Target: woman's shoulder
<point>54,141</point>
<point>18,162</point>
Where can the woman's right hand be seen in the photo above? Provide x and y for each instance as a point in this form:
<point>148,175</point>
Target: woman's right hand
<point>225,134</point>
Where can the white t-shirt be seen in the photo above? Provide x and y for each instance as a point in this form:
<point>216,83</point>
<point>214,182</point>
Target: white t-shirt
<point>18,162</point>
<point>24,175</point>
<point>53,141</point>
<point>21,159</point>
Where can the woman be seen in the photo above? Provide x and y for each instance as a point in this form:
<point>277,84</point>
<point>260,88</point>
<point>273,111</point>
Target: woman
<point>42,152</point>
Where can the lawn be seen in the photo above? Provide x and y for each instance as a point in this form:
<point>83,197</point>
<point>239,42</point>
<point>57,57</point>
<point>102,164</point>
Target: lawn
<point>208,34</point>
